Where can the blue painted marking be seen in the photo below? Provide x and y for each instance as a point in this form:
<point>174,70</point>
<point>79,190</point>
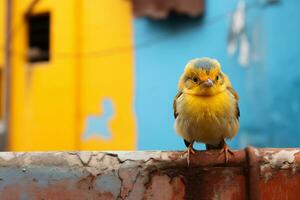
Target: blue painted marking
<point>109,183</point>
<point>24,196</point>
<point>97,126</point>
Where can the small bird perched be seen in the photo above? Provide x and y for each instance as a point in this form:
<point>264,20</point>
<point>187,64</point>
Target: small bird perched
<point>206,106</point>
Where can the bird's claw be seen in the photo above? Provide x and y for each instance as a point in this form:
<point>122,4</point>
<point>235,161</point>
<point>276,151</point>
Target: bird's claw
<point>226,150</point>
<point>190,150</point>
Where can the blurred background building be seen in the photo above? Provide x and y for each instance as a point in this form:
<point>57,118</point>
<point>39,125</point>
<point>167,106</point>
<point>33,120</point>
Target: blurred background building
<point>101,75</point>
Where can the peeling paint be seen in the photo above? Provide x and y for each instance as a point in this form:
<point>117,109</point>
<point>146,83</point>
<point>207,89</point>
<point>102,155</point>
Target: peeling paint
<point>140,155</point>
<point>109,183</point>
<point>267,176</point>
<point>173,188</point>
<point>283,159</point>
<point>8,156</point>
<point>85,157</point>
<point>256,152</point>
<point>138,189</point>
<point>142,175</point>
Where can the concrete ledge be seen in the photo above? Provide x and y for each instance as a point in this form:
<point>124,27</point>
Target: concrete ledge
<point>251,174</point>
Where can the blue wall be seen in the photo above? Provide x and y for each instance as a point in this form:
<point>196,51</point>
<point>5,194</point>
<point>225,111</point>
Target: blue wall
<point>268,88</point>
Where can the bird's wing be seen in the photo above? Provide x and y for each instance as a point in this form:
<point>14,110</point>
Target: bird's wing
<point>174,103</point>
<point>234,93</point>
<point>236,96</point>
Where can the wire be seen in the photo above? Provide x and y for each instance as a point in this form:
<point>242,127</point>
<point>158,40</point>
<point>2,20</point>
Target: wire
<point>144,44</point>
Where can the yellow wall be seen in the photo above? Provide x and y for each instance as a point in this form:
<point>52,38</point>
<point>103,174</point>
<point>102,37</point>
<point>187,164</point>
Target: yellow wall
<point>51,101</point>
<point>2,35</point>
<point>2,54</point>
<point>106,25</point>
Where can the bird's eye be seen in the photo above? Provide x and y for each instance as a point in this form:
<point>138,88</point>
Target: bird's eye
<point>195,79</point>
<point>217,77</point>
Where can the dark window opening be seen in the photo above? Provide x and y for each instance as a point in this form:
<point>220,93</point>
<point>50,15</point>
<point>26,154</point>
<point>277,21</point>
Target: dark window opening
<point>38,37</point>
<point>161,9</point>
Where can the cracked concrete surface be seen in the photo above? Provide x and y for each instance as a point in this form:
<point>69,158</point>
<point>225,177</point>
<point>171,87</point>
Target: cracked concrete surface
<point>106,175</point>
<point>136,175</point>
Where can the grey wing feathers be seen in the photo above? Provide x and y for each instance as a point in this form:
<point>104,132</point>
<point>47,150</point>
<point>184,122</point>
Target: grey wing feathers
<point>174,103</point>
<point>236,96</point>
<point>237,111</point>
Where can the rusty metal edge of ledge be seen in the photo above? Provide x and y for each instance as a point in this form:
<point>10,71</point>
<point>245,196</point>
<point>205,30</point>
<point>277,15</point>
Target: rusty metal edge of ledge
<point>140,174</point>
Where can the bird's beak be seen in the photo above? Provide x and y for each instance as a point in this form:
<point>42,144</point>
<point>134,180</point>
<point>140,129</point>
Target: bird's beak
<point>208,83</point>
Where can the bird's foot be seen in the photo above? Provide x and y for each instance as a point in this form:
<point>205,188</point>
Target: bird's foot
<point>226,150</point>
<point>190,150</point>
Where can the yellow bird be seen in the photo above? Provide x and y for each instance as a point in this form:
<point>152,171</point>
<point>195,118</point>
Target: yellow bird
<point>206,106</point>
